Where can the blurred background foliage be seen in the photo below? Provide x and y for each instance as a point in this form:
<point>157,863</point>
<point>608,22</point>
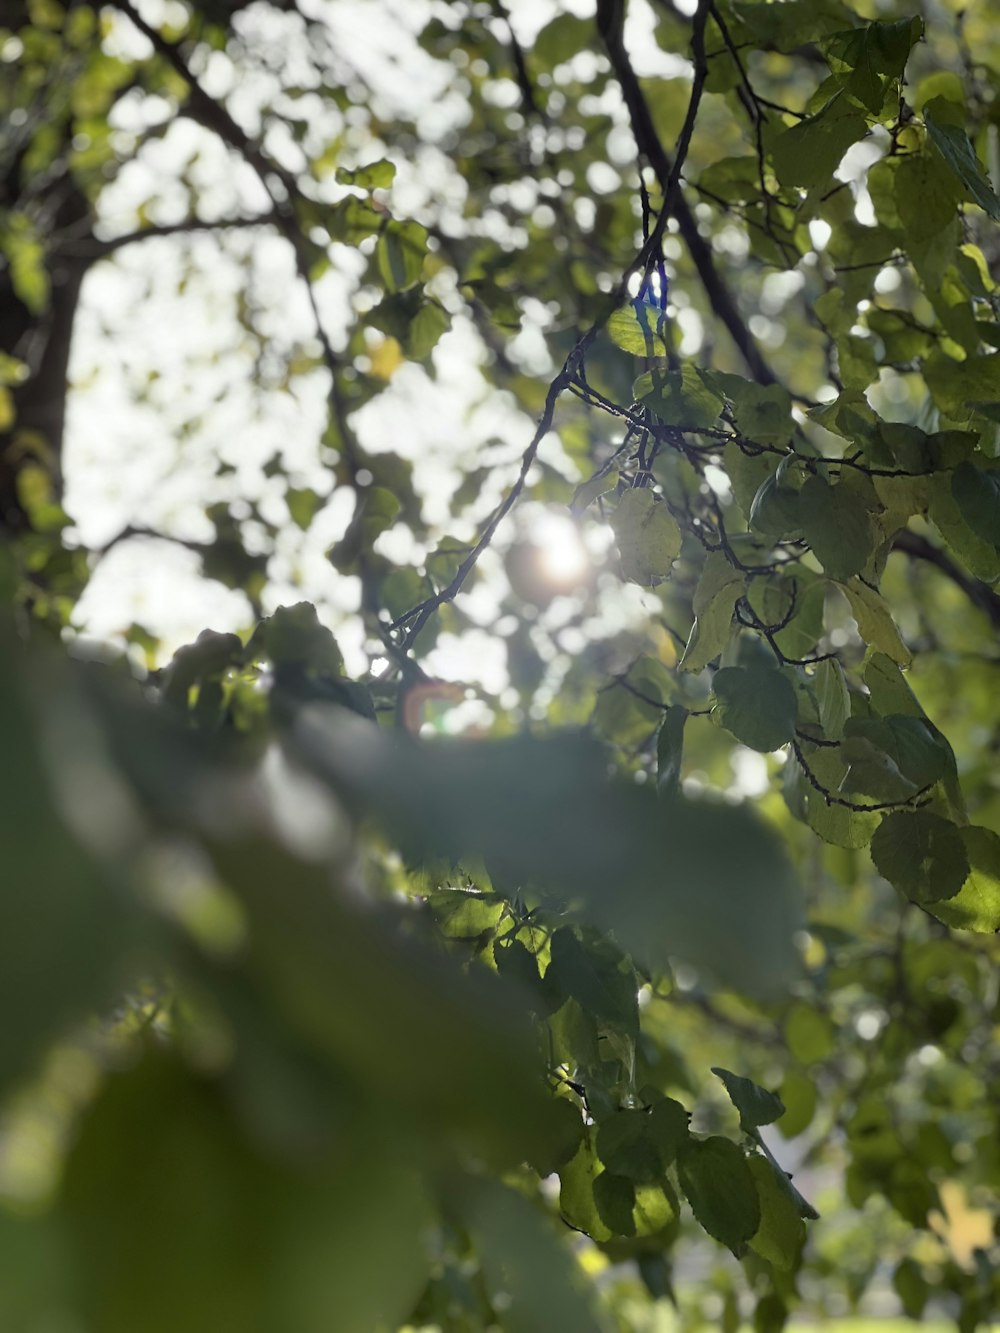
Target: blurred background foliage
<point>579,432</point>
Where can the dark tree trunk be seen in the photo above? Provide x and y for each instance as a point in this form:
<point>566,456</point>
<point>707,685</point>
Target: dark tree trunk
<point>42,342</point>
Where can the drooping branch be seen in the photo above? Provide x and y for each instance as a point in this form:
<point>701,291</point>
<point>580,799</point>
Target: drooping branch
<point>980,594</point>
<point>650,147</point>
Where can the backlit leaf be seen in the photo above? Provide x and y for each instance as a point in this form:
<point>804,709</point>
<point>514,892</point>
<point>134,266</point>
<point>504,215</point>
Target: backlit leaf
<point>648,536</point>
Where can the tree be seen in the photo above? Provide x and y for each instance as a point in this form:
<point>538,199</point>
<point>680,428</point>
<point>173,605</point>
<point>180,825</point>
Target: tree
<point>317,1018</point>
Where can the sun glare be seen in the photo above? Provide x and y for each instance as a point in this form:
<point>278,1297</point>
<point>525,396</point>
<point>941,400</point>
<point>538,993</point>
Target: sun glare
<point>562,555</point>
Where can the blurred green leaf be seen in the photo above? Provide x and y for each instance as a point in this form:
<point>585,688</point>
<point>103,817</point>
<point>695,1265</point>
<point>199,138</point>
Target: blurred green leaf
<point>177,1220</point>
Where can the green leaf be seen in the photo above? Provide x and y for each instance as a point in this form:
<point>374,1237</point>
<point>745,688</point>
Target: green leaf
<point>375,176</point>
<point>303,505</point>
<point>734,179</point>
<point>775,508</point>
<point>208,658</point>
<point>68,929</point>
<point>872,54</point>
<point>755,1104</point>
<point>747,472</point>
<point>809,1034</point>
<point>960,388</point>
<point>926,196</point>
<point>833,698</point>
<point>668,1128</point>
<point>981,557</point>
<point>594,975</point>
<point>837,525</point>
<point>565,1131</point>
<point>757,704</point>
<point>353,220</point>
<point>576,1193</point>
<point>679,398</point>
<point>888,689</point>
<point>648,537</point>
<point>343,978</point>
<point>465,914</point>
<point>642,1144</point>
<point>562,38</point>
<point>976,906</point>
<point>792,607</point>
<point>835,823</point>
<point>922,854</point>
<point>809,152</point>
<point>911,1287</point>
<point>632,1210</point>
<point>977,494</point>
<point>763,413</point>
<point>782,1232</point>
<point>521,1256</point>
<point>614,1197</point>
<point>425,330</point>
<point>670,749</point>
<point>400,253</point>
<point>720,587</point>
<point>640,328</point>
<point>953,144</point>
<point>625,1146</point>
<point>592,489</point>
<point>627,858</point>
<point>875,623</point>
<point>294,636</point>
<point>912,750</point>
<point>717,1182</point>
<point>342,1235</point>
<point>800,1097</point>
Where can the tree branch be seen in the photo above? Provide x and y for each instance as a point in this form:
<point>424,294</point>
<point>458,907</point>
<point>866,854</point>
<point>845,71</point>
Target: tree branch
<point>651,148</point>
<point>91,248</point>
<point>980,594</point>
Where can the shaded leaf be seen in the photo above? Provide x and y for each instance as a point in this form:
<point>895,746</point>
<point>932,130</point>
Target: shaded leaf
<point>953,144</point>
<point>809,152</point>
<point>757,704</point>
<point>922,854</point>
<point>755,1104</point>
<point>717,1182</point>
<point>670,750</point>
<point>720,587</point>
<point>977,494</point>
<point>837,526</point>
<point>679,398</point>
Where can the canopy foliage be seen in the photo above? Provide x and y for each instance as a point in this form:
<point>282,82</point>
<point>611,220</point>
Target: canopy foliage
<point>582,811</point>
